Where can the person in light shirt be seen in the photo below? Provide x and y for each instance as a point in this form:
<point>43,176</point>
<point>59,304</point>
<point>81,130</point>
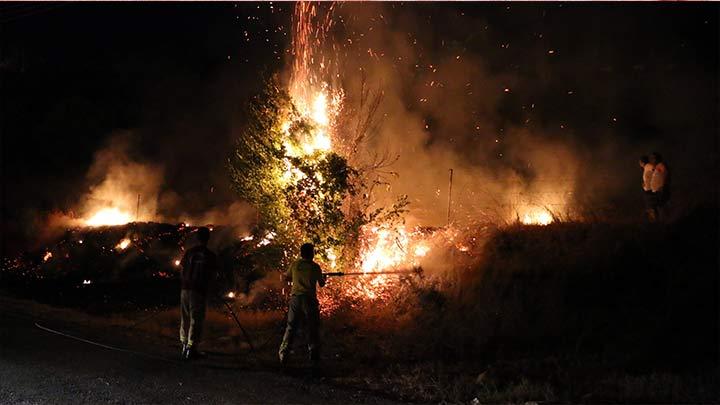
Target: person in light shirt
<point>648,169</point>
<point>305,276</point>
<point>659,185</point>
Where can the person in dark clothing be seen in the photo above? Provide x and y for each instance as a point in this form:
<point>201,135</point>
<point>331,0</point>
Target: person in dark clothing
<point>199,267</point>
<point>303,307</point>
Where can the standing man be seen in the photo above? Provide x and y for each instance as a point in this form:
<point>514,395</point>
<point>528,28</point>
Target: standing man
<point>199,266</point>
<point>303,308</point>
<point>647,175</point>
<point>659,185</point>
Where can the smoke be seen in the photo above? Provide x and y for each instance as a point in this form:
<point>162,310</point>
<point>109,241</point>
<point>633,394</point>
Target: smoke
<point>118,181</point>
<point>526,124</point>
<point>122,187</point>
<point>442,110</point>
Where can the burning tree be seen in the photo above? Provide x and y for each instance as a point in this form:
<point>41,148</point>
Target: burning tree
<point>284,163</point>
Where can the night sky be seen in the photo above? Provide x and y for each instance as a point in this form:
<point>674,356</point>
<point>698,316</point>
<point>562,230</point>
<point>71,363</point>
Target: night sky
<point>179,76</point>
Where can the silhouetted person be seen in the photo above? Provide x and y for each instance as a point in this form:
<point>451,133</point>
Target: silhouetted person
<point>648,169</point>
<point>199,266</point>
<point>659,185</point>
<point>303,307</point>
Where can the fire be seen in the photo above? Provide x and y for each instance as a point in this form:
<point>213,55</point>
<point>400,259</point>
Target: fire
<point>537,217</point>
<point>421,250</point>
<point>385,249</point>
<point>231,294</point>
<point>332,258</point>
<point>48,255</point>
<point>316,101</point>
<point>108,216</point>
<point>177,262</point>
<point>123,244</point>
<point>267,239</point>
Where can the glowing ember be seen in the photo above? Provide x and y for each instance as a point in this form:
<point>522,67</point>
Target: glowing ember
<point>123,244</point>
<point>177,262</point>
<point>108,216</point>
<point>231,294</point>
<point>537,217</point>
<point>48,256</point>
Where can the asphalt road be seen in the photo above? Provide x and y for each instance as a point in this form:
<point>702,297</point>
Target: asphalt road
<point>38,367</point>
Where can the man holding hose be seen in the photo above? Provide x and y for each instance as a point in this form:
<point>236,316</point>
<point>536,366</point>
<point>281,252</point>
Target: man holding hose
<point>303,307</point>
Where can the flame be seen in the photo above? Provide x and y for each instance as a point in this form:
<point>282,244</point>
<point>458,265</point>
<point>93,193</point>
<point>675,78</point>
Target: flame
<point>385,250</point>
<point>177,262</point>
<point>231,294</point>
<point>47,256</point>
<point>108,216</point>
<point>317,102</point>
<point>421,250</point>
<point>123,244</point>
<point>537,216</point>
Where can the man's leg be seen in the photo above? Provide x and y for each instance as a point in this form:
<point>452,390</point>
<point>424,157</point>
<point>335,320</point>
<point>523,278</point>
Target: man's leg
<point>649,205</point>
<point>197,318</point>
<point>291,328</point>
<point>184,317</point>
<point>312,314</point>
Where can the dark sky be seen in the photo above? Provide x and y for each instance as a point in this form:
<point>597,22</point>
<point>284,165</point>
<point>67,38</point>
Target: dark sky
<point>178,75</point>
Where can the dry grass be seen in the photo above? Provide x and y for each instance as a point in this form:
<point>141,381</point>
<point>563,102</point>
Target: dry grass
<point>571,311</point>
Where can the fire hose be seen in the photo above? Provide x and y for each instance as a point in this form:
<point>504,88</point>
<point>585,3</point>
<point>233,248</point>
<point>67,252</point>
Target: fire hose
<point>416,270</point>
<point>237,321</point>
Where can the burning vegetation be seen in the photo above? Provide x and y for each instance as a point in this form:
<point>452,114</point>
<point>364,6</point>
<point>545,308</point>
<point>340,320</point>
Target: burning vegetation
<point>311,162</point>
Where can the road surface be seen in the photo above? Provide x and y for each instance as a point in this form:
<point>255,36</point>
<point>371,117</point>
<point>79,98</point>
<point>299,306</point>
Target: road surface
<point>38,367</point>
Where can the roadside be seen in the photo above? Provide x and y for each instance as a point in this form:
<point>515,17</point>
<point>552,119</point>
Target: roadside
<point>40,367</point>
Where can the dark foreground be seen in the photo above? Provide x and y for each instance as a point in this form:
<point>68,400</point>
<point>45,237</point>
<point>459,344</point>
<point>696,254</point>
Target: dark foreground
<point>38,367</point>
